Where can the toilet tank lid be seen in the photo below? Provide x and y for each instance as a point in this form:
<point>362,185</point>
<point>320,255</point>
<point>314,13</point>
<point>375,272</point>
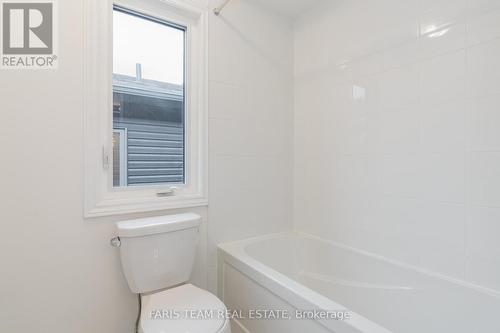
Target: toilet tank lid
<point>157,225</point>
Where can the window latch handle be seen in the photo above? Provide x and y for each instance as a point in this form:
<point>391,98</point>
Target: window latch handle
<point>105,158</point>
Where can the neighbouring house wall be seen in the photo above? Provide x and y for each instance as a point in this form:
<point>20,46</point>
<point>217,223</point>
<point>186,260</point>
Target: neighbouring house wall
<point>397,131</point>
<point>251,124</point>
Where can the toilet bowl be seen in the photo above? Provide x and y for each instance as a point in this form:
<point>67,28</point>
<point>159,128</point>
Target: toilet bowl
<point>157,256</point>
<point>184,309</point>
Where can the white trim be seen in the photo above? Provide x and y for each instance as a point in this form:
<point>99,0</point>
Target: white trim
<point>101,198</point>
<point>122,134</point>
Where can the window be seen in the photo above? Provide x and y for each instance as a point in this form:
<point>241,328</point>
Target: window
<point>148,99</point>
<point>145,99</point>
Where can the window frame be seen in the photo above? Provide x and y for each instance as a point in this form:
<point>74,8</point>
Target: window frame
<point>101,198</point>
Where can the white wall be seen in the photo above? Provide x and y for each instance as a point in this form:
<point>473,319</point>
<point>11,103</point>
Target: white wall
<point>58,273</point>
<point>397,131</point>
<point>251,123</point>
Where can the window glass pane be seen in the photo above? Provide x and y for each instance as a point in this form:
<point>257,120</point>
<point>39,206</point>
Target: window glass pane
<point>116,159</point>
<point>148,100</point>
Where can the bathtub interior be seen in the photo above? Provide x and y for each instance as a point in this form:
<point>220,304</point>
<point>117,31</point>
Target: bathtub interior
<point>396,297</point>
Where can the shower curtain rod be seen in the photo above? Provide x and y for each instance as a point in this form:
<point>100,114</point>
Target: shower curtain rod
<point>219,9</point>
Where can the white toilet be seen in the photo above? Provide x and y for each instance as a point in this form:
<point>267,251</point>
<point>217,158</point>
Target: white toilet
<point>157,256</point>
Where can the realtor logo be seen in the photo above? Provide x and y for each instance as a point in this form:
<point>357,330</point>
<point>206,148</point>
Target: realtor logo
<point>28,34</point>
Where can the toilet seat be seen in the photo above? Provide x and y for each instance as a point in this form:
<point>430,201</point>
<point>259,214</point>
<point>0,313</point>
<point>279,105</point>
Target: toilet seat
<point>184,309</point>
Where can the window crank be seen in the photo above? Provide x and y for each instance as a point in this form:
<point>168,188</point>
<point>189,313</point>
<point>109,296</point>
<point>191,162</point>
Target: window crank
<point>167,193</point>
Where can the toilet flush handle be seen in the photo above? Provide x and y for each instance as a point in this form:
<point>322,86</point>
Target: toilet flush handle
<point>115,242</point>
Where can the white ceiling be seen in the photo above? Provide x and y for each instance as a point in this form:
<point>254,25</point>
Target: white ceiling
<point>289,8</point>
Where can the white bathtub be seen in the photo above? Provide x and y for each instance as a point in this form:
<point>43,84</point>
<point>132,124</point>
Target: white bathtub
<point>295,271</point>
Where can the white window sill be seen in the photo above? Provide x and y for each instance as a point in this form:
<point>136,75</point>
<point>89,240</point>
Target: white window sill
<point>122,207</point>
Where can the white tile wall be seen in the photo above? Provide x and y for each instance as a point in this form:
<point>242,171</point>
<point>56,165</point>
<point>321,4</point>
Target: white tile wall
<point>251,125</point>
<point>397,131</point>
<point>483,69</point>
<point>482,246</point>
<point>482,121</point>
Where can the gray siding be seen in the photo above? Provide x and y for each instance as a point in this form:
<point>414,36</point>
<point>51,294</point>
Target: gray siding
<point>155,151</point>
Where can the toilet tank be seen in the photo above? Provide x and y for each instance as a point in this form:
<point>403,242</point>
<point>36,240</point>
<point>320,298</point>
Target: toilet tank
<point>158,252</point>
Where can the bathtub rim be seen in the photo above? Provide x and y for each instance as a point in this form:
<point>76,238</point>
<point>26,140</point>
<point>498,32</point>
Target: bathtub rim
<point>417,269</point>
<point>234,253</point>
<point>284,287</point>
